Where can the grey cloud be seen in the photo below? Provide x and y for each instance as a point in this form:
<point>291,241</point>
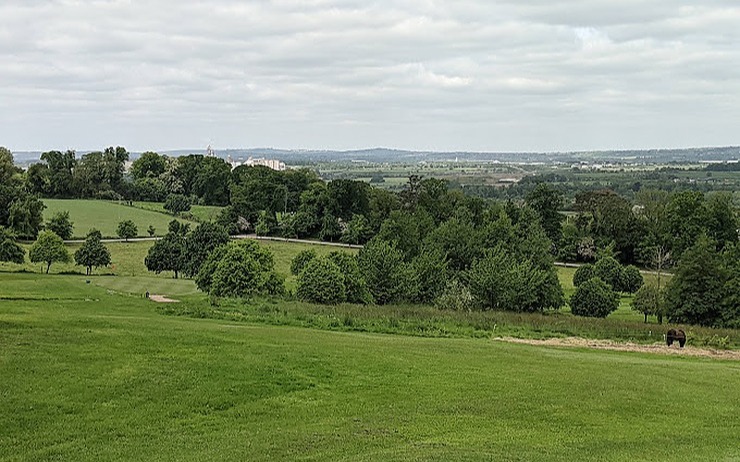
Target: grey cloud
<point>504,75</point>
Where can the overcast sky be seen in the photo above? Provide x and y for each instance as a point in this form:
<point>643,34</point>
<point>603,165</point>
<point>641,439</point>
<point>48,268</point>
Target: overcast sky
<point>482,75</point>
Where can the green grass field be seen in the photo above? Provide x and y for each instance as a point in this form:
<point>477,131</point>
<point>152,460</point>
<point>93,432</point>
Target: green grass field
<point>86,374</point>
<point>105,216</point>
<point>200,212</point>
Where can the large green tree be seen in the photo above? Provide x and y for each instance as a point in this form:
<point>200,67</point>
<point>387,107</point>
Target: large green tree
<point>547,202</point>
<point>10,251</point>
<point>694,294</point>
<point>92,253</point>
<point>61,225</point>
<point>48,248</point>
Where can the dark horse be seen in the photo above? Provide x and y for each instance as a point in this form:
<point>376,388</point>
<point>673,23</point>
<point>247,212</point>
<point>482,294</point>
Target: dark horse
<point>675,335</point>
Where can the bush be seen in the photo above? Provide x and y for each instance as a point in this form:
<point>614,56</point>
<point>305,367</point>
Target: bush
<point>583,274</point>
<point>321,281</point>
<point>300,260</point>
<point>10,251</point>
<point>631,279</point>
<point>455,296</point>
<point>594,298</point>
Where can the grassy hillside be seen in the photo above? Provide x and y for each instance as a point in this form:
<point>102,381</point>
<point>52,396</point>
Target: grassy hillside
<point>105,216</point>
<point>92,375</point>
<point>200,212</point>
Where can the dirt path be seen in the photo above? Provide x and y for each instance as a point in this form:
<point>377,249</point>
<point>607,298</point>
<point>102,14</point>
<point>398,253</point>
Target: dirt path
<point>655,348</point>
<point>162,299</point>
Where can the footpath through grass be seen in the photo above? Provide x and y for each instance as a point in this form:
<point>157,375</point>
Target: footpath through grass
<point>105,216</point>
<point>100,376</point>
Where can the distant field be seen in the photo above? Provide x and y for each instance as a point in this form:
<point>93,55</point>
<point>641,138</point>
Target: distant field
<point>105,216</point>
<point>91,375</point>
<point>200,212</point>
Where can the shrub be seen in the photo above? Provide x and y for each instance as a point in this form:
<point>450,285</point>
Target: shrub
<point>583,274</point>
<point>455,296</point>
<point>321,281</point>
<point>300,260</point>
<point>594,298</point>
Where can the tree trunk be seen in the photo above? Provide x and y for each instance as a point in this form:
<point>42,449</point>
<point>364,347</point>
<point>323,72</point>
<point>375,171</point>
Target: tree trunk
<point>645,317</point>
<point>48,265</point>
<point>175,274</point>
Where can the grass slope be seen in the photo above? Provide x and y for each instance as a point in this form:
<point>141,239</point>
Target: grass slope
<point>200,212</point>
<point>100,376</point>
<point>105,216</point>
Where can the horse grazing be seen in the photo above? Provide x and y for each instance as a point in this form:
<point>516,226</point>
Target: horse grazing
<point>675,335</point>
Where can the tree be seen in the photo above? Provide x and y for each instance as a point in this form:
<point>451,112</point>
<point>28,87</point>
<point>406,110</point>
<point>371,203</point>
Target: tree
<point>499,281</point>
<point>609,270</point>
<point>167,254</point>
<point>199,244</point>
<point>93,253</point>
<point>547,202</point>
<point>48,248</point>
<point>61,166</point>
<point>177,203</point>
<point>631,279</point>
<point>300,260</point>
<point>583,274</point>
<point>648,301</point>
<point>432,274</point>
<point>266,222</point>
<point>240,269</point>
<point>148,165</point>
<point>384,271</point>
<point>61,225</point>
<point>358,230</point>
<point>354,283</point>
<point>686,219</point>
<point>151,230</point>
<point>330,228</point>
<point>25,216</point>
<point>10,251</point>
<point>694,294</point>
<point>321,281</point>
<point>594,298</point>
<point>127,229</point>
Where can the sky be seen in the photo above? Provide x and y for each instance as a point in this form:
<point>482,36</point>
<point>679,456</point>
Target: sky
<point>463,75</point>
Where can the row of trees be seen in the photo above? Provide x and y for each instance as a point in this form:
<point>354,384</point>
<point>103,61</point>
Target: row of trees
<point>153,177</point>
<point>49,248</point>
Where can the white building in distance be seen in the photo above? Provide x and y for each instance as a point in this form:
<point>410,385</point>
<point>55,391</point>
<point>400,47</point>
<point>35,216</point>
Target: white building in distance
<point>252,162</point>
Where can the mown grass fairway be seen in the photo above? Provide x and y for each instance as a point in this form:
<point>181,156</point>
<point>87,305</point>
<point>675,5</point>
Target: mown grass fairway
<point>105,216</point>
<point>92,375</point>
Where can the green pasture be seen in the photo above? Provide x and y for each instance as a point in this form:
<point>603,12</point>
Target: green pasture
<point>201,213</point>
<point>90,374</point>
<point>105,216</point>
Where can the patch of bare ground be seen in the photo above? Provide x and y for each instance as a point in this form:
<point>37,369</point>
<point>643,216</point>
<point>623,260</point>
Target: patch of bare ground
<point>655,348</point>
<point>162,299</point>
